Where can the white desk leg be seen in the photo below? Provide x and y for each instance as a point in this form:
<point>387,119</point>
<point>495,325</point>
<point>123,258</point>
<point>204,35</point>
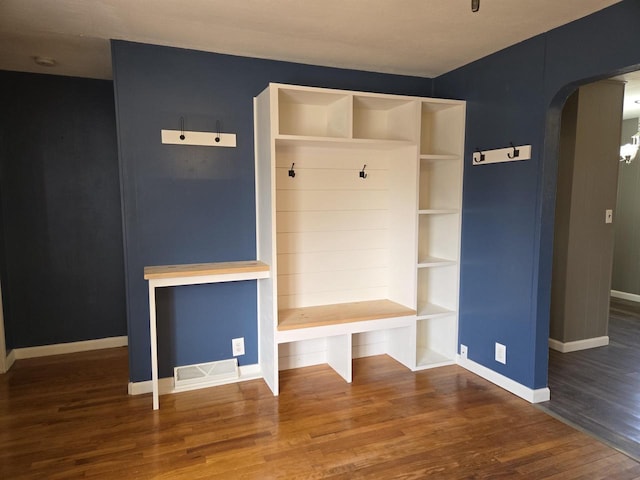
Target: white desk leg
<point>154,344</point>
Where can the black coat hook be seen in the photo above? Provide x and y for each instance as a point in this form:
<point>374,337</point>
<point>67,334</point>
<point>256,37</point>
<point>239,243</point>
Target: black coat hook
<point>292,172</point>
<point>516,152</point>
<point>362,173</point>
<point>481,159</point>
<point>217,131</point>
<point>182,137</point>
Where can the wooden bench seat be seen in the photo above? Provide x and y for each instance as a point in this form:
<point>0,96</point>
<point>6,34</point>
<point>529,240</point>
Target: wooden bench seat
<point>339,313</point>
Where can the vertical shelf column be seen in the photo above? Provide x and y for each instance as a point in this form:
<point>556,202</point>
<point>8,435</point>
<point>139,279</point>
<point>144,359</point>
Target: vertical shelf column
<point>439,228</point>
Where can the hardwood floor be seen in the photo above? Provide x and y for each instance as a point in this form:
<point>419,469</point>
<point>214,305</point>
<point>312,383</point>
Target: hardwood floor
<point>70,417</point>
<point>598,389</point>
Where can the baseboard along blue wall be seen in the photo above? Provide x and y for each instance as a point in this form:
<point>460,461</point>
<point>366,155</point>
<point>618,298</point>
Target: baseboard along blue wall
<point>516,95</point>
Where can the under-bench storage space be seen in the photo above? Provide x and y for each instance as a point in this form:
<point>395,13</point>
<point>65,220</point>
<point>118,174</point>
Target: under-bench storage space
<point>337,333</point>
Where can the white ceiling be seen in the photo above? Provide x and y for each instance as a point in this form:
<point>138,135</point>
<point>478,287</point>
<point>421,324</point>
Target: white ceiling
<point>412,37</point>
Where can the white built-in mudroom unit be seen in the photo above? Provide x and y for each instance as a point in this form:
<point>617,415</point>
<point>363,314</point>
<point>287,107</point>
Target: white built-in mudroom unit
<point>358,199</point>
<point>358,214</point>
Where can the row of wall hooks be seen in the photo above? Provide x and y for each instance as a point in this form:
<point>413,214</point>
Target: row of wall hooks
<point>362,174</point>
<point>511,153</point>
<point>205,139</point>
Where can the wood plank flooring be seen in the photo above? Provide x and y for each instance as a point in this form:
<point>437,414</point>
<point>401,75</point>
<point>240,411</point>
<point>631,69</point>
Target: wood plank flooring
<point>598,389</point>
<point>70,417</point>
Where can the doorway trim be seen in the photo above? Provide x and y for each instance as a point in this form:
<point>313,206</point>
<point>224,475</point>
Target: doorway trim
<point>6,361</point>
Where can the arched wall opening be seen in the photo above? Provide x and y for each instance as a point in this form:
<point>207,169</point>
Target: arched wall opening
<point>516,95</point>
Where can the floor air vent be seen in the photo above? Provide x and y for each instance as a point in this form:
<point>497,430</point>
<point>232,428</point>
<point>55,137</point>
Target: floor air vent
<point>204,373</point>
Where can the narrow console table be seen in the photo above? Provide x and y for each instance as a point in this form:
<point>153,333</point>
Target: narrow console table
<point>192,274</point>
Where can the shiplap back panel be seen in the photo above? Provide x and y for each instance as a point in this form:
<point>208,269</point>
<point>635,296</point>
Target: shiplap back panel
<point>323,221</point>
<point>332,226</point>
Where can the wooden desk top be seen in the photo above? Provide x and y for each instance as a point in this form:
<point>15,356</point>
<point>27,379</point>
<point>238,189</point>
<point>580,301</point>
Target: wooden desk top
<point>202,269</point>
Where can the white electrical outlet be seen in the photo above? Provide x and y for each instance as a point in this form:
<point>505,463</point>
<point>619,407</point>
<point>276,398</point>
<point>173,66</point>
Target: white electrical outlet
<point>463,351</point>
<point>237,345</point>
<point>501,353</point>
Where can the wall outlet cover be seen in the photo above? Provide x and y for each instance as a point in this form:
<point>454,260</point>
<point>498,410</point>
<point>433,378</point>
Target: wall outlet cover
<point>237,345</point>
<point>501,353</point>
<point>464,351</point>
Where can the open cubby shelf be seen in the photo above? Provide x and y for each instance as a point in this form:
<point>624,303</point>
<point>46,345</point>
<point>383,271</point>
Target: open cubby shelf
<point>431,310</point>
<point>358,214</point>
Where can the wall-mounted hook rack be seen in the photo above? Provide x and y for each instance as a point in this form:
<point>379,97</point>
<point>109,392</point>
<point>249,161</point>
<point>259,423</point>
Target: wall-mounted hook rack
<point>218,138</point>
<point>510,154</point>
<point>362,172</point>
<point>206,139</point>
<point>292,172</point>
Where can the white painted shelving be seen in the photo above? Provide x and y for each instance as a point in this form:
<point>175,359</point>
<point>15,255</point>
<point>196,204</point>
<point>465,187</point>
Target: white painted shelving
<point>360,266</point>
<point>439,228</point>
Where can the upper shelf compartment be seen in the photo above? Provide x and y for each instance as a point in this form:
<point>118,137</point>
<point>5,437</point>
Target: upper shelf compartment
<point>442,127</point>
<point>312,113</point>
<point>381,118</point>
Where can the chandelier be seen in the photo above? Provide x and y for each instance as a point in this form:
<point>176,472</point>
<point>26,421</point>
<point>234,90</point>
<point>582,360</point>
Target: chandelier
<point>628,151</point>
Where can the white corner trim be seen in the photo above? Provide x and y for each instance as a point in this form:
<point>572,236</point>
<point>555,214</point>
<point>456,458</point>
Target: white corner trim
<point>71,347</point>
<point>11,358</point>
<point>566,347</point>
<point>625,296</point>
<point>526,393</point>
<point>165,385</point>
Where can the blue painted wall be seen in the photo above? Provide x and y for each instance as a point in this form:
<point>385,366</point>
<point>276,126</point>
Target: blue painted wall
<point>61,252</point>
<point>197,204</point>
<point>516,95</point>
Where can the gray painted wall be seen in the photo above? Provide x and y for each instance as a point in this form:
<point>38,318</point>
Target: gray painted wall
<point>626,254</point>
<point>587,186</point>
<point>563,204</point>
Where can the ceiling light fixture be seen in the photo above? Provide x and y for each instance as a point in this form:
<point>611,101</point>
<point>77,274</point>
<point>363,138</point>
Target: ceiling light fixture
<point>45,61</point>
<point>475,5</point>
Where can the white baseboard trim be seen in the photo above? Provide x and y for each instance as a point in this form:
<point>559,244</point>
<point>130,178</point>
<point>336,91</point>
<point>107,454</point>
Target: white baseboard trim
<point>526,393</point>
<point>566,347</point>
<point>625,296</point>
<point>11,359</point>
<point>165,385</point>
<point>71,347</point>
